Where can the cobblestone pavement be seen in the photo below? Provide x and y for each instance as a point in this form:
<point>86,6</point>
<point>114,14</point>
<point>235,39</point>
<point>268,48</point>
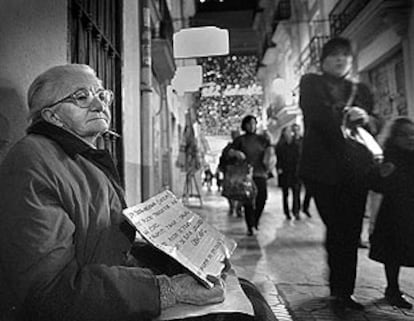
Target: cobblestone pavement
<point>290,254</point>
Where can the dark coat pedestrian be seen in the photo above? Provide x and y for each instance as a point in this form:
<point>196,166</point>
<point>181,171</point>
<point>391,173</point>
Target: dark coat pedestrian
<point>287,153</point>
<point>225,164</point>
<point>251,147</point>
<point>393,237</point>
<point>392,240</point>
<point>323,99</point>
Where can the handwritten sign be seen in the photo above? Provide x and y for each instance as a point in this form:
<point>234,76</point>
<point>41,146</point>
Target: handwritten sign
<point>174,229</point>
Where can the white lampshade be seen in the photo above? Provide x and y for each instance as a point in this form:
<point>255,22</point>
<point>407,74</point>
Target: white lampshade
<point>187,78</point>
<point>201,42</point>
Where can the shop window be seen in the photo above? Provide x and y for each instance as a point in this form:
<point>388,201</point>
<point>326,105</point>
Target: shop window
<point>388,84</point>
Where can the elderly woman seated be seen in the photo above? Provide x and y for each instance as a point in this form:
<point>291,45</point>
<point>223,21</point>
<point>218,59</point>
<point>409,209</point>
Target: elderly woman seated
<point>63,240</point>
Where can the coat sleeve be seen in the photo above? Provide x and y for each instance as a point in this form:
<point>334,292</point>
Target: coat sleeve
<point>318,113</point>
<point>38,258</point>
<point>365,100</point>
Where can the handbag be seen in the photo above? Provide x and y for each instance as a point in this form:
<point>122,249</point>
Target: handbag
<point>361,149</point>
<point>238,183</point>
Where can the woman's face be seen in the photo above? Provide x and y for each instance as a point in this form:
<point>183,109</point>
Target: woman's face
<point>405,138</point>
<point>337,64</point>
<point>87,122</point>
<point>251,126</point>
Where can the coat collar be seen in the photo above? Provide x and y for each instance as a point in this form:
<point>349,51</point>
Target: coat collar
<point>71,144</point>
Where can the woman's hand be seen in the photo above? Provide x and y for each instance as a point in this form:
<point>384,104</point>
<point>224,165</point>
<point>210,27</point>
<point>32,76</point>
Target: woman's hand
<point>237,153</point>
<point>356,116</point>
<point>240,155</point>
<point>189,290</point>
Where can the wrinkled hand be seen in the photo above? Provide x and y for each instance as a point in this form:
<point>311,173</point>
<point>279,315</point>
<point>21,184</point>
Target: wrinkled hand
<point>189,290</point>
<point>356,116</point>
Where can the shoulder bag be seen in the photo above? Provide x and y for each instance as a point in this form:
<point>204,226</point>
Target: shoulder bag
<point>361,149</point>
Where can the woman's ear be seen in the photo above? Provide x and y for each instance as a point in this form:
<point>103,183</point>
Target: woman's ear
<point>51,117</point>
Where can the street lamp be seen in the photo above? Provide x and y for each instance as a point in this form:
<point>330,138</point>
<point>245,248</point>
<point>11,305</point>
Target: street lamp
<point>201,42</point>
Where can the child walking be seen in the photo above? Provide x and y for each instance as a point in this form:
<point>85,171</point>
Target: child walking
<point>392,240</point>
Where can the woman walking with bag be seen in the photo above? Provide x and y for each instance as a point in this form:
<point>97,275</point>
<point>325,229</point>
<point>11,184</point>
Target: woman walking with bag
<point>251,147</point>
<point>323,168</point>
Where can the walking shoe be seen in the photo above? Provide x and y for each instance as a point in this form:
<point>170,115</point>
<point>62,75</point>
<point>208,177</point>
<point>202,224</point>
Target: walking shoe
<point>250,232</point>
<point>307,213</point>
<point>288,217</point>
<point>398,300</point>
<point>239,212</point>
<point>347,301</point>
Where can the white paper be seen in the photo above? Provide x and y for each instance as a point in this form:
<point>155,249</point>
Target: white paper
<point>235,301</point>
<point>174,229</point>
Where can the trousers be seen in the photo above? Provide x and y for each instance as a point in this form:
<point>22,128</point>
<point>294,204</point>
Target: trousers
<point>253,212</point>
<point>295,188</point>
<point>341,208</point>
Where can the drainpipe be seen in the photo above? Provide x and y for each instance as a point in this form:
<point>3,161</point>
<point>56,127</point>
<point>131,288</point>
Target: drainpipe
<point>147,187</point>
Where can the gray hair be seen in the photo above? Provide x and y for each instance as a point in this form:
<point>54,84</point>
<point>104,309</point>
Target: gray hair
<point>49,86</point>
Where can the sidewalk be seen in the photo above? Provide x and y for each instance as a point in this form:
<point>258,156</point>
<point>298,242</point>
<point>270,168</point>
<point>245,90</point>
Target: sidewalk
<point>290,254</point>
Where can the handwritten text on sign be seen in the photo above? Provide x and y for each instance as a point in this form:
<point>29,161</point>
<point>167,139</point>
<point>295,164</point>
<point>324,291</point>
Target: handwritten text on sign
<point>168,225</point>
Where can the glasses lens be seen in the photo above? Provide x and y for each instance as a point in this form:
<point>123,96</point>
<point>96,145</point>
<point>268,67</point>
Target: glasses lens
<point>105,96</point>
<point>83,98</point>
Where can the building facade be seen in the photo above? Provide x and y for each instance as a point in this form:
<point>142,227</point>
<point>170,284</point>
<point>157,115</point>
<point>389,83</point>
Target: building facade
<point>381,30</point>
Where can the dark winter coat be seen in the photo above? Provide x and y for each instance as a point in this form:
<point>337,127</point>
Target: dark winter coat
<point>322,100</point>
<point>287,162</point>
<point>62,248</point>
<point>253,146</point>
<point>392,239</point>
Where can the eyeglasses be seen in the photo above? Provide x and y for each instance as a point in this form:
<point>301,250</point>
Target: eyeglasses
<point>83,97</point>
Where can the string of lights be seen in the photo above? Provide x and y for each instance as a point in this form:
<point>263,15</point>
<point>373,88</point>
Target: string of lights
<point>230,92</point>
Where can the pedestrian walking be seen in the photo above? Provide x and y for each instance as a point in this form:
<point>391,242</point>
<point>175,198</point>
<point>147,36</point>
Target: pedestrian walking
<point>251,147</point>
<point>208,177</point>
<point>392,239</point>
<point>338,194</point>
<point>287,154</point>
<point>219,176</point>
<point>225,161</point>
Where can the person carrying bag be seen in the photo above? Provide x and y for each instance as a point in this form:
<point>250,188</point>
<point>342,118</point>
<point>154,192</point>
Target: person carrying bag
<point>334,159</point>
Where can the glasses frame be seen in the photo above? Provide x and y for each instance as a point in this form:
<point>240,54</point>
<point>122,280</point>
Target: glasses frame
<point>72,99</point>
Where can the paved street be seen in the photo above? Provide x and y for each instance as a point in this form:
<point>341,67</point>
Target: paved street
<point>290,254</point>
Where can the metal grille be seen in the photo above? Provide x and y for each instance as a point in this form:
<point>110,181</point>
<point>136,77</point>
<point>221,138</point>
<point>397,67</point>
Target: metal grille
<point>344,13</point>
<point>95,40</point>
<point>309,58</point>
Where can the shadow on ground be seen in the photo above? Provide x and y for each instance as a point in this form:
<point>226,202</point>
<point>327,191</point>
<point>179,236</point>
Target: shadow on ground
<point>323,308</point>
